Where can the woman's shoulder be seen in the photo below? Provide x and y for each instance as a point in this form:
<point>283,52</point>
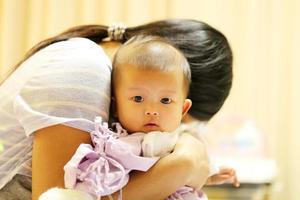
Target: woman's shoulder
<point>62,61</point>
<point>70,79</point>
<point>73,49</point>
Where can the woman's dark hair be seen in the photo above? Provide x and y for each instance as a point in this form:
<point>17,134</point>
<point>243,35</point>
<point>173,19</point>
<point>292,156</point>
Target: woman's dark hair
<point>206,49</point>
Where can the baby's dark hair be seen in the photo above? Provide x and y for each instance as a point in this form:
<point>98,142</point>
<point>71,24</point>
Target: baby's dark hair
<point>155,53</point>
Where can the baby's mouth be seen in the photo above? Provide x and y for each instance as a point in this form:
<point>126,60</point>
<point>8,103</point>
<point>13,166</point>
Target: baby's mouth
<point>151,127</point>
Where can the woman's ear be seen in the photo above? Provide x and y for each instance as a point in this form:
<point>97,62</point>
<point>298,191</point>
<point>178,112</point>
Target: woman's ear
<point>186,106</point>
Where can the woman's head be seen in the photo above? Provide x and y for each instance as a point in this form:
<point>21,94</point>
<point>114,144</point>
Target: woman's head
<point>206,49</point>
<point>210,58</point>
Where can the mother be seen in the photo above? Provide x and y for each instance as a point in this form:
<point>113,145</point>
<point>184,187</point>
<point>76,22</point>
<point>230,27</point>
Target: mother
<point>59,87</point>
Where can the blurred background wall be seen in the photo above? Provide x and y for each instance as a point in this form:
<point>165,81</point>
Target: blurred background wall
<point>264,35</point>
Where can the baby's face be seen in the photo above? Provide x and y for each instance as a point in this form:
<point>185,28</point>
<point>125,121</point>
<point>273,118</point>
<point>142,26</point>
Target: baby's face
<point>148,100</point>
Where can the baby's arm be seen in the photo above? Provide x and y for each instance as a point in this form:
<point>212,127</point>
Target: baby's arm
<point>159,144</point>
<point>225,175</point>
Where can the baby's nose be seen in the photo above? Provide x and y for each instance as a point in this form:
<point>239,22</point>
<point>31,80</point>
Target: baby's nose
<point>152,113</point>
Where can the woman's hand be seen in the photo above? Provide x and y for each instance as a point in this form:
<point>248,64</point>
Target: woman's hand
<point>194,153</point>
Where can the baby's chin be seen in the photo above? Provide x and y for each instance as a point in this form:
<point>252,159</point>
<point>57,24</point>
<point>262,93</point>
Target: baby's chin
<point>149,128</point>
<point>145,129</point>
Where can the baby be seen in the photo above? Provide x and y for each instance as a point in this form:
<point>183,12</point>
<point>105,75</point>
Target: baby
<point>151,79</point>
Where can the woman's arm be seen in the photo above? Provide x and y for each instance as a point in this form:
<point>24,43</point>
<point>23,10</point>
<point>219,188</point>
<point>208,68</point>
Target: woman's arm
<point>54,146</point>
<point>194,151</point>
<point>186,165</point>
<point>164,178</point>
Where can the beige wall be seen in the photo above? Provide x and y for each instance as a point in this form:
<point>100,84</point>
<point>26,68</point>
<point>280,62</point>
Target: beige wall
<point>264,35</point>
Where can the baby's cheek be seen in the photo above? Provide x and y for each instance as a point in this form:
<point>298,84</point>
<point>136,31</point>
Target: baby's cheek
<point>173,120</point>
<point>132,123</point>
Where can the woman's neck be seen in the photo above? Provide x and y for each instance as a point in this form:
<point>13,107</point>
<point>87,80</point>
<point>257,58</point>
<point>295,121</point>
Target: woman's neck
<point>110,48</point>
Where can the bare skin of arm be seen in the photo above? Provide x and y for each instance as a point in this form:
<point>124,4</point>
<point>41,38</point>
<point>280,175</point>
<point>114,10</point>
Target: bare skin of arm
<point>54,146</point>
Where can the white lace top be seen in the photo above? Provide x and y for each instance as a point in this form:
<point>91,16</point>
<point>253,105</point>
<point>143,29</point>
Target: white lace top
<point>65,83</point>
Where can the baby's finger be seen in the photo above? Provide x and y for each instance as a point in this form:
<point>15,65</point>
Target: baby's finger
<point>236,182</point>
<point>220,179</point>
<point>226,170</point>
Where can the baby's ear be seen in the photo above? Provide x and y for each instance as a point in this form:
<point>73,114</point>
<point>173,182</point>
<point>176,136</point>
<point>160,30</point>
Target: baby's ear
<point>186,106</point>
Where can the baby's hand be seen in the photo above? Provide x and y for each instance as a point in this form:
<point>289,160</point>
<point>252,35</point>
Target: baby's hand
<point>225,175</point>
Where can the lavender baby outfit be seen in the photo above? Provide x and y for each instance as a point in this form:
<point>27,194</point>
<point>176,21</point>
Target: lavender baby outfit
<point>104,169</point>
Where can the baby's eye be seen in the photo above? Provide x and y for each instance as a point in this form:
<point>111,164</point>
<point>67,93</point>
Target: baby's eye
<point>166,100</point>
<point>137,99</point>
